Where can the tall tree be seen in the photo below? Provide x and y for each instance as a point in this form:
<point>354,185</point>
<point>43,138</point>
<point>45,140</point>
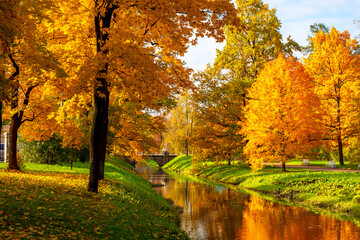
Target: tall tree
<point>335,68</point>
<point>149,53</point>
<point>28,63</point>
<point>252,42</point>
<point>138,44</point>
<point>281,117</point>
<point>217,115</point>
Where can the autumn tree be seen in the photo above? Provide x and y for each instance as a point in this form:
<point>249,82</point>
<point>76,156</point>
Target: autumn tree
<point>217,114</point>
<point>177,137</point>
<point>134,47</point>
<point>335,68</point>
<point>28,64</point>
<point>138,127</point>
<point>255,40</point>
<point>282,117</point>
<point>9,29</point>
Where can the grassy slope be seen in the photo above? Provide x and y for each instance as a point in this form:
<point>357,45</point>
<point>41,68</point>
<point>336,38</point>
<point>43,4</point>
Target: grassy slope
<point>334,193</point>
<point>51,201</point>
<point>180,163</point>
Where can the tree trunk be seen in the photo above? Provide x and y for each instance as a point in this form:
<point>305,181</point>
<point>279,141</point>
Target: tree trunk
<point>14,127</point>
<point>97,143</point>
<point>99,126</point>
<point>103,136</point>
<point>339,139</point>
<point>341,152</point>
<point>283,167</point>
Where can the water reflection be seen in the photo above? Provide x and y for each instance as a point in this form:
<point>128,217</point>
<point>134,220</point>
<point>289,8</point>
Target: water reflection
<point>216,212</point>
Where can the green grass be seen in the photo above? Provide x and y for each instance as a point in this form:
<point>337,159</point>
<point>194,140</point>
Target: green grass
<point>332,193</point>
<point>180,163</point>
<point>51,201</point>
<point>322,163</point>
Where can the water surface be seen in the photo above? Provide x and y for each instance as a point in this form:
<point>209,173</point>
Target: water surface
<point>217,212</point>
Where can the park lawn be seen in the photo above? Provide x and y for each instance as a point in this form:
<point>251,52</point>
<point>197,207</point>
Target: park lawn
<point>51,202</point>
<point>333,193</point>
<point>323,163</point>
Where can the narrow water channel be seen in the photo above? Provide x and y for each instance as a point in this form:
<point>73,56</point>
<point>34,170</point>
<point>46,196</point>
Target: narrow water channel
<point>217,212</point>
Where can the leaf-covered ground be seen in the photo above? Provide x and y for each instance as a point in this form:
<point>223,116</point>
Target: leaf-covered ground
<point>53,204</point>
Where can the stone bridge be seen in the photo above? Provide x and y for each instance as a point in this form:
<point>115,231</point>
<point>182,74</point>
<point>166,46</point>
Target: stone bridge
<point>160,159</point>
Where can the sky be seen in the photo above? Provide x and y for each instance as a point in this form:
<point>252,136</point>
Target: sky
<point>296,16</point>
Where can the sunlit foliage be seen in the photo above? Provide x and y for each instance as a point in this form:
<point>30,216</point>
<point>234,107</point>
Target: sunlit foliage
<point>282,117</point>
<point>335,68</point>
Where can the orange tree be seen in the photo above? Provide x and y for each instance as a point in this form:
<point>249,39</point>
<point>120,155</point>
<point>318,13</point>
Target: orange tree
<point>335,68</point>
<point>132,47</point>
<point>26,63</point>
<point>281,115</point>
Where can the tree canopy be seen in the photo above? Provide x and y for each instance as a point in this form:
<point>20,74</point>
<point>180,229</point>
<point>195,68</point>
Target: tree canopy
<point>282,116</point>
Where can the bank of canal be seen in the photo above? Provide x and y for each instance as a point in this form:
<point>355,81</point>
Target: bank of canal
<point>216,211</point>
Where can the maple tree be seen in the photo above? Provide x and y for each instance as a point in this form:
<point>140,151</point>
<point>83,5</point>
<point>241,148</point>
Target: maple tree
<point>148,53</point>
<point>282,117</point>
<point>335,68</point>
<point>27,64</point>
<point>250,43</point>
<point>133,47</point>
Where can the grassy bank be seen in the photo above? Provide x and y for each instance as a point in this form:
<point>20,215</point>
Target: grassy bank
<point>332,193</point>
<point>51,202</point>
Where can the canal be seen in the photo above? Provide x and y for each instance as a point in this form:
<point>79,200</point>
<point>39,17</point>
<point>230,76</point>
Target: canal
<point>212,211</point>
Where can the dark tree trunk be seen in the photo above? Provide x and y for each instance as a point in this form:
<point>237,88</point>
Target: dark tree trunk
<point>283,167</point>
<point>103,136</point>
<point>99,126</point>
<point>96,140</point>
<point>16,121</point>
<point>17,118</point>
<point>339,138</point>
<point>14,127</point>
<point>341,152</point>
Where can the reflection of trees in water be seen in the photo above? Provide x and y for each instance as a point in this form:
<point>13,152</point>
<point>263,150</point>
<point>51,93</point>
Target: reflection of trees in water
<point>267,220</point>
<point>206,209</point>
<point>218,213</point>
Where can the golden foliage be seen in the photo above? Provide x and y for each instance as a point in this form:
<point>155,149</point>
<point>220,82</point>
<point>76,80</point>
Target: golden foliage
<point>281,116</point>
<point>334,65</point>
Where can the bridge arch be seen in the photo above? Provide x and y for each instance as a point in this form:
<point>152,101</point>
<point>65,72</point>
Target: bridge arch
<point>160,159</point>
